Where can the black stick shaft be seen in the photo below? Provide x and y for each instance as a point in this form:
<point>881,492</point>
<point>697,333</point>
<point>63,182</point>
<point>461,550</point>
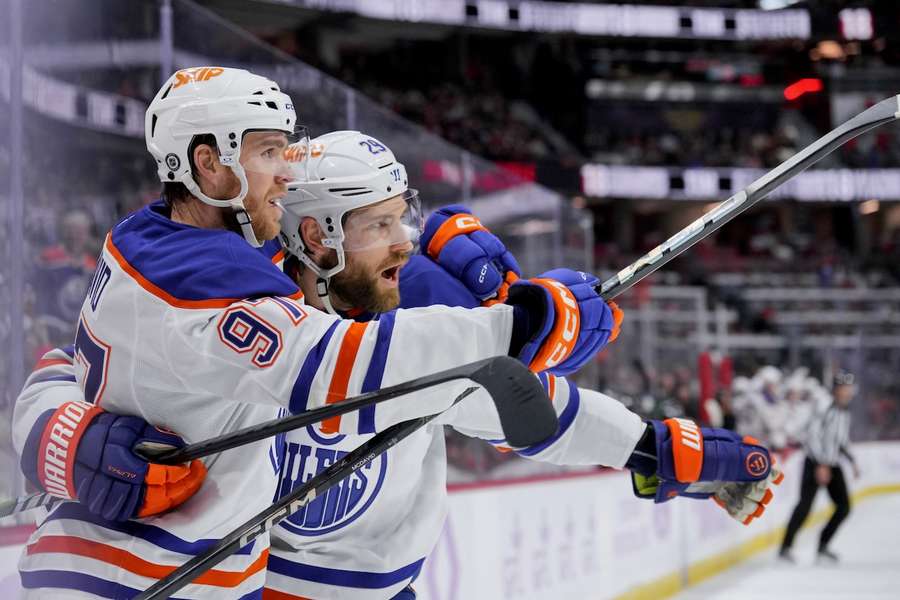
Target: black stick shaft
<point>268,429</point>
<point>286,506</point>
<point>885,111</point>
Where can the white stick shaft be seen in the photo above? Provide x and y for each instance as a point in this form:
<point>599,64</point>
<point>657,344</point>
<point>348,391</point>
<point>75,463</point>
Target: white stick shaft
<point>886,111</point>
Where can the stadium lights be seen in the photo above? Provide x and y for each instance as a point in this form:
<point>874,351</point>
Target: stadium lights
<point>775,4</point>
<point>807,85</point>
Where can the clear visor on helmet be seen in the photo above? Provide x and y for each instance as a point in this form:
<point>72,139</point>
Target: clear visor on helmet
<point>392,222</point>
<point>268,152</point>
<point>297,154</point>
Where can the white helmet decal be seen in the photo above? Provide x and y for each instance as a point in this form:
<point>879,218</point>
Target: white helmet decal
<point>222,102</point>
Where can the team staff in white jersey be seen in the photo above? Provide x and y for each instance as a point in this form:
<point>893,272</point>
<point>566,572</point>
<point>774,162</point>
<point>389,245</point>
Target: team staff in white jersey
<point>188,326</point>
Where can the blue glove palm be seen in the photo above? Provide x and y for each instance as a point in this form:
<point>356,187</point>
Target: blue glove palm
<point>457,241</point>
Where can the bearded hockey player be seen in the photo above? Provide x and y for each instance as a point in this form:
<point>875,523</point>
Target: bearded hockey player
<point>383,221</point>
<point>190,327</point>
<point>370,538</point>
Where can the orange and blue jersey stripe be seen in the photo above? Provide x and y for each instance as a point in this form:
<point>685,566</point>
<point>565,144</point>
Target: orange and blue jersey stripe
<point>344,577</point>
<point>347,351</point>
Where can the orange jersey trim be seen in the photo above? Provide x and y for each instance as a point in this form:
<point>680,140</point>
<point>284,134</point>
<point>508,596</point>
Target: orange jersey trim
<point>49,362</point>
<point>340,380</point>
<point>270,594</point>
<point>129,562</point>
<point>165,296</point>
<point>278,257</point>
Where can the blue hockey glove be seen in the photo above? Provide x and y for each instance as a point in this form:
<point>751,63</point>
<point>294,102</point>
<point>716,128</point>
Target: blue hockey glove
<point>81,451</point>
<point>560,321</point>
<point>457,241</point>
<point>676,457</point>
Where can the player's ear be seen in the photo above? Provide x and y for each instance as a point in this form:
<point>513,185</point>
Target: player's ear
<point>206,164</point>
<point>311,233</point>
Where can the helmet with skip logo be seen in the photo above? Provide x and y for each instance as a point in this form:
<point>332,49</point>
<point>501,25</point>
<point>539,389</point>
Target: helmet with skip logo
<point>222,102</point>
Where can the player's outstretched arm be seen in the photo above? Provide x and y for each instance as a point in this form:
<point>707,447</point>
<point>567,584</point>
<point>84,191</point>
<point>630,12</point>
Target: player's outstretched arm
<point>677,457</point>
<point>76,450</point>
<point>594,429</point>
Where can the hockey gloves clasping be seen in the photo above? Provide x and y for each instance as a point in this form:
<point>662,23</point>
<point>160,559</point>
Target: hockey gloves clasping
<point>81,451</point>
<point>456,240</point>
<point>563,320</point>
<point>676,457</point>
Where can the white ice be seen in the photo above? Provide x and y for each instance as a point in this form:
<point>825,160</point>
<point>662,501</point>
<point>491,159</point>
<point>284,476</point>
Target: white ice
<point>868,544</point>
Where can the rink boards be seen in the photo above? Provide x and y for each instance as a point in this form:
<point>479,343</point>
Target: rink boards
<point>586,536</point>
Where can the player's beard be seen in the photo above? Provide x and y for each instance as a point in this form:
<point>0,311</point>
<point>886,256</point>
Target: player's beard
<point>357,285</point>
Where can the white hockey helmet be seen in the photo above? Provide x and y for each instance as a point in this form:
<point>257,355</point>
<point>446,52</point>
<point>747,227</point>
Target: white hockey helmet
<point>337,173</point>
<point>225,103</point>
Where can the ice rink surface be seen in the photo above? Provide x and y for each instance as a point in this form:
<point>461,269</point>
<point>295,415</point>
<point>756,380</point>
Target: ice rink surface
<point>868,544</point>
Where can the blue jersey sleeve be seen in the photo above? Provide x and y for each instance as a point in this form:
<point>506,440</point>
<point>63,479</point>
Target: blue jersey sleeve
<point>425,283</point>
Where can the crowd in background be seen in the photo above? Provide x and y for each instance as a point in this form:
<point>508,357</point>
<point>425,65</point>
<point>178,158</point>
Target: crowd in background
<point>524,105</point>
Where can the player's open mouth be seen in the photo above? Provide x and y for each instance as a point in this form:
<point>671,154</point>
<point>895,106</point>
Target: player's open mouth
<point>392,274</point>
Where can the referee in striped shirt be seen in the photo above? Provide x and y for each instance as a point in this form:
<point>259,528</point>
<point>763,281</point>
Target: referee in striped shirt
<point>828,436</point>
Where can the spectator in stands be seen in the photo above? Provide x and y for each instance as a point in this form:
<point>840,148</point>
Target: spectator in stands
<point>63,271</point>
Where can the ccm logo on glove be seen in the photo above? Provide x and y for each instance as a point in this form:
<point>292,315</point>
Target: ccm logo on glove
<point>564,330</point>
<point>63,432</point>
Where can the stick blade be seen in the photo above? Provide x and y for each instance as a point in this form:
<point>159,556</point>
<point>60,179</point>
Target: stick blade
<point>526,413</point>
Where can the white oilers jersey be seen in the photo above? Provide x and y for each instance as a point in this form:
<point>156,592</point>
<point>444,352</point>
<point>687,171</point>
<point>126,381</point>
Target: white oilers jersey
<point>196,331</point>
<point>369,537</point>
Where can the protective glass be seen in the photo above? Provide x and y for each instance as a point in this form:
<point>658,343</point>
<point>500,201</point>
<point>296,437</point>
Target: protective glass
<point>269,152</point>
<point>391,222</point>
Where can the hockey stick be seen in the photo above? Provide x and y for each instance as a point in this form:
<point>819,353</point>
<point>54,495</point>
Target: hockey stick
<point>285,507</point>
<point>513,388</point>
<point>886,111</point>
<point>525,418</point>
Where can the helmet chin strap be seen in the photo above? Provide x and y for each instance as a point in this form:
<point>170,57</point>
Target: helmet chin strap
<point>236,204</point>
<point>323,277</point>
<point>324,296</point>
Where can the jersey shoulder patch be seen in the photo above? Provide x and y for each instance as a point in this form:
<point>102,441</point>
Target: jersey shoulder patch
<point>185,264</point>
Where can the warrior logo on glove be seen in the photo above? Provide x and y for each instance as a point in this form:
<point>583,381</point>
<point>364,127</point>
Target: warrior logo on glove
<point>757,464</point>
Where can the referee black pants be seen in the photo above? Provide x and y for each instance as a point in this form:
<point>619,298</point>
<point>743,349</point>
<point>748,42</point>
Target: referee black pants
<point>837,490</point>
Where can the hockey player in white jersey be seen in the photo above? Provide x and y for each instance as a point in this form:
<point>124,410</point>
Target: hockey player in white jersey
<point>369,538</point>
<point>359,539</point>
<point>189,326</point>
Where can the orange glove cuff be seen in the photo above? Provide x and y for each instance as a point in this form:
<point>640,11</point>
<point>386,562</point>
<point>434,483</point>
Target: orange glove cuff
<point>457,224</point>
<point>563,336</point>
<point>503,291</point>
<point>687,449</point>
